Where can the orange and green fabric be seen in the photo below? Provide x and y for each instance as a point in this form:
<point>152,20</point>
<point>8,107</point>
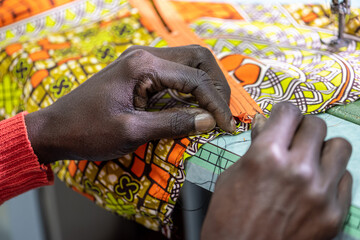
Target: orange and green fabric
<point>142,186</point>
<point>15,10</point>
<point>266,53</point>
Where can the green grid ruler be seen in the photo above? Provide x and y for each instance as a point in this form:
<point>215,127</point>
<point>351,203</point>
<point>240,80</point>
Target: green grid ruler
<point>352,223</point>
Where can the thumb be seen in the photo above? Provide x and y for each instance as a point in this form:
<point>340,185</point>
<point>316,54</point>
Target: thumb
<point>257,125</point>
<point>173,123</point>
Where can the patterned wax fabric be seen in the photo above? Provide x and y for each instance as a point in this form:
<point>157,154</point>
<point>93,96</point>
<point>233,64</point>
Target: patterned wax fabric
<point>16,10</point>
<point>320,16</point>
<point>142,186</point>
<point>277,57</point>
<point>265,50</point>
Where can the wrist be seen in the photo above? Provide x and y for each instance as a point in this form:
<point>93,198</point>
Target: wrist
<point>42,138</point>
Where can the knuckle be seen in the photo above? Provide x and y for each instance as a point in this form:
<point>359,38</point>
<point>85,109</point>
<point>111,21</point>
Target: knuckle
<point>130,49</point>
<point>133,134</point>
<point>140,64</point>
<point>194,46</point>
<point>271,153</point>
<point>135,56</point>
<point>177,120</point>
<point>123,131</point>
<point>348,177</point>
<point>205,53</point>
<point>316,122</point>
<point>128,53</point>
<point>288,108</point>
<point>340,148</point>
<point>317,195</point>
<point>192,83</point>
<point>202,76</point>
<point>201,79</point>
<point>226,89</point>
<point>340,144</point>
<point>201,52</point>
<point>304,173</point>
<point>333,220</point>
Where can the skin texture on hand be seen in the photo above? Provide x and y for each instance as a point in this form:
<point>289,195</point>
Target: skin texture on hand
<point>104,117</point>
<point>291,184</point>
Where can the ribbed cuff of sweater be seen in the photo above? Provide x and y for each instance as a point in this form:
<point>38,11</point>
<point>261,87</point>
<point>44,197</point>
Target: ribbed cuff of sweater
<point>20,170</point>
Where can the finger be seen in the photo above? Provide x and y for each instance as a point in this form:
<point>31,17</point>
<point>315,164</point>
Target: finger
<point>141,92</point>
<point>166,74</point>
<point>308,140</point>
<point>335,156</point>
<point>257,125</point>
<point>344,193</point>
<point>171,123</point>
<point>193,56</point>
<point>282,124</point>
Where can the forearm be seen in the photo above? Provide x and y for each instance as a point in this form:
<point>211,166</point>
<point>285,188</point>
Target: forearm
<point>20,169</point>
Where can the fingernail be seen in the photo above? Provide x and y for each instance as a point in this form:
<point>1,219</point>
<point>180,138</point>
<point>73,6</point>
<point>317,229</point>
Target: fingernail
<point>233,125</point>
<point>257,118</point>
<point>204,123</point>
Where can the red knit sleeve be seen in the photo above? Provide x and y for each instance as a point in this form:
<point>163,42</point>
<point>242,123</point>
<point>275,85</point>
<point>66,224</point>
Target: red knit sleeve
<point>20,170</point>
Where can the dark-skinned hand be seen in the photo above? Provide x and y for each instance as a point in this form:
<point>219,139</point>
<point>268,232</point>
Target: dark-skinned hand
<point>290,185</point>
<point>104,119</point>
